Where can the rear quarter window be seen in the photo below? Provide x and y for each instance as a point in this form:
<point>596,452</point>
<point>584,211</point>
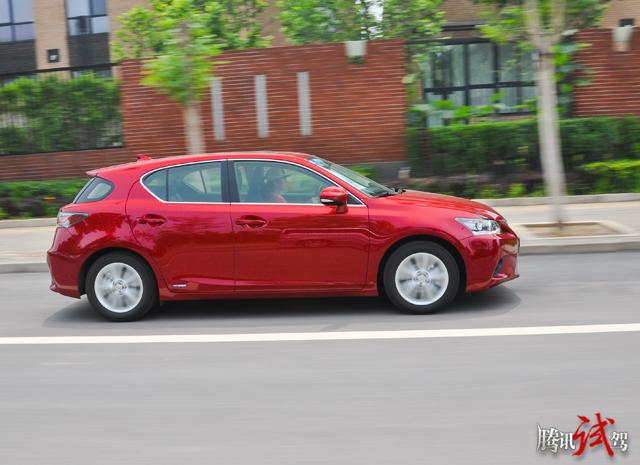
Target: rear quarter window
<point>96,189</point>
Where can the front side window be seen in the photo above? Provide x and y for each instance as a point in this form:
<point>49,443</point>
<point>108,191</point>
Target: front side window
<point>197,183</point>
<point>16,20</point>
<point>87,17</point>
<point>355,180</point>
<point>274,182</point>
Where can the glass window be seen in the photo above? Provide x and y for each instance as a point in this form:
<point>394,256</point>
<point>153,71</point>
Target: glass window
<point>22,11</point>
<point>274,182</point>
<point>99,24</point>
<point>78,8</point>
<point>5,13</point>
<point>6,34</point>
<point>355,180</point>
<point>24,31</point>
<point>481,63</point>
<point>98,7</point>
<point>201,182</point>
<point>96,189</point>
<point>472,73</point>
<point>16,20</point>
<point>87,17</point>
<point>157,184</point>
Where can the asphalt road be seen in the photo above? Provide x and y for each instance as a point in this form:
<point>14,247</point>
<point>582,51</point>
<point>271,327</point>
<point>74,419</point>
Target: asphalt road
<point>464,400</point>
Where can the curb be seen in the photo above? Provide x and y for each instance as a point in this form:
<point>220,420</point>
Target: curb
<point>577,246</point>
<point>570,199</point>
<point>28,223</point>
<point>25,267</point>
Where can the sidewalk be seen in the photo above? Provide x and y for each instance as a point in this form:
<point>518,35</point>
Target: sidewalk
<point>24,248</point>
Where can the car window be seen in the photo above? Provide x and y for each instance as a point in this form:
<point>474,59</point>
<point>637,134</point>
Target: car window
<point>96,189</point>
<point>200,182</point>
<point>157,183</point>
<point>274,182</point>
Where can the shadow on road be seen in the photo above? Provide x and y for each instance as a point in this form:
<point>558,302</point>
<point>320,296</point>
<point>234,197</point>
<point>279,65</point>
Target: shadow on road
<point>332,313</point>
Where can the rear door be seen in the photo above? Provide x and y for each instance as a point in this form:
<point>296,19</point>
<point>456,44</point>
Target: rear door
<point>180,215</point>
<point>286,240</point>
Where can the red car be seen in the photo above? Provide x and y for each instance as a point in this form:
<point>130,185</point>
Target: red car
<point>257,225</point>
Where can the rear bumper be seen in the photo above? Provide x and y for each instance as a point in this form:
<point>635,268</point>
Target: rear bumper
<point>63,267</point>
<point>492,260</point>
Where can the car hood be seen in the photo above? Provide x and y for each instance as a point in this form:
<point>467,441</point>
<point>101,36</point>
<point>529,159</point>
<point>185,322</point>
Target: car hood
<point>429,199</point>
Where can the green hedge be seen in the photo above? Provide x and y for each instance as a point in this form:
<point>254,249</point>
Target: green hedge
<point>614,176</point>
<point>511,147</point>
<point>26,199</point>
<point>55,114</point>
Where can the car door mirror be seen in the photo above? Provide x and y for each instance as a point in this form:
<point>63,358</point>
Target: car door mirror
<point>334,196</point>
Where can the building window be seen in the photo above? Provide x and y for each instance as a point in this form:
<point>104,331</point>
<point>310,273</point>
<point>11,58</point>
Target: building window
<point>16,20</point>
<point>478,73</point>
<point>87,17</point>
<point>103,71</point>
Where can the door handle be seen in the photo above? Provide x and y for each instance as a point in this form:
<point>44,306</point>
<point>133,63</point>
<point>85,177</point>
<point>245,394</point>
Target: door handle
<point>152,220</point>
<point>251,221</point>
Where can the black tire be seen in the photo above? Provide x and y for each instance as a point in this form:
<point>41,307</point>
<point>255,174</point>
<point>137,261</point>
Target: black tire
<point>407,250</point>
<point>149,297</point>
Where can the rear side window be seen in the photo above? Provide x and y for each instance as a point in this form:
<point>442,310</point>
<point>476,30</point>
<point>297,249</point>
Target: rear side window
<point>96,189</point>
<point>157,184</point>
<point>199,183</point>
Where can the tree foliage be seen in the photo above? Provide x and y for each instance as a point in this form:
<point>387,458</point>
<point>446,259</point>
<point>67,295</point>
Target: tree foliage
<point>174,41</point>
<point>315,21</point>
<point>506,19</point>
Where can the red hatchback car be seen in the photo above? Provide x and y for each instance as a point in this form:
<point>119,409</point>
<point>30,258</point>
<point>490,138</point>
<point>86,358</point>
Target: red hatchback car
<point>243,225</point>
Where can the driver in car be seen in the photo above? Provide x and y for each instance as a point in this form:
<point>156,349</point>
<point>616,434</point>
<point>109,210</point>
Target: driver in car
<point>276,183</point>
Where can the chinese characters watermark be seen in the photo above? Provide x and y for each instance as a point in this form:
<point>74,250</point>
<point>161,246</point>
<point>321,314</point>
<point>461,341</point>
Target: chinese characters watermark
<point>589,434</point>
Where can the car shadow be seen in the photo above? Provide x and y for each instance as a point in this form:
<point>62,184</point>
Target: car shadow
<point>331,313</point>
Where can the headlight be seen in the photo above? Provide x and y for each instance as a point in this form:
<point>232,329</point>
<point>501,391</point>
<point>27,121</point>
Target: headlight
<point>479,226</point>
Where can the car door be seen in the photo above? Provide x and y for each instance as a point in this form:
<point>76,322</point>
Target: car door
<point>180,215</point>
<point>286,240</point>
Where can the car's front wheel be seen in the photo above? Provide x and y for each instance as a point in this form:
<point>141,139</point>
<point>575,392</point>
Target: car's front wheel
<point>121,287</point>
<point>421,276</point>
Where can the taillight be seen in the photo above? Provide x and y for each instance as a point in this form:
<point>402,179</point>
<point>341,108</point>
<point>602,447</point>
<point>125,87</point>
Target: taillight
<point>68,219</point>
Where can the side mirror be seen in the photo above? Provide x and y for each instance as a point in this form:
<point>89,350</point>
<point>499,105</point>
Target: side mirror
<point>334,196</point>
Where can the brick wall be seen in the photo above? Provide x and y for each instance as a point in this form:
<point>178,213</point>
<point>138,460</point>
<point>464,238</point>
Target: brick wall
<point>59,165</point>
<point>357,110</point>
<point>614,87</point>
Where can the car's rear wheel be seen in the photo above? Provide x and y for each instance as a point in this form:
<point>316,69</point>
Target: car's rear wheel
<point>421,277</point>
<point>121,287</point>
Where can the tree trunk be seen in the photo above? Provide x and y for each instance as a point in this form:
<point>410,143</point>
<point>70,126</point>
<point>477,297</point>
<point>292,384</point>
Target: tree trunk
<point>549,134</point>
<point>193,128</point>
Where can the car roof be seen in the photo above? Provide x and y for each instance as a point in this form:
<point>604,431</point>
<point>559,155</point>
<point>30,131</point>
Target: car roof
<point>145,163</point>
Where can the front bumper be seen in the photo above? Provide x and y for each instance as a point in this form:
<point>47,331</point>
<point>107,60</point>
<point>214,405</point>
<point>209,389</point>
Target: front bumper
<point>491,260</point>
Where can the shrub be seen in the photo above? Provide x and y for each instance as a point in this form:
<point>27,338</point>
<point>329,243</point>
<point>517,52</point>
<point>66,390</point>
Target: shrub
<point>54,114</point>
<point>613,176</point>
<point>26,199</point>
<point>511,147</point>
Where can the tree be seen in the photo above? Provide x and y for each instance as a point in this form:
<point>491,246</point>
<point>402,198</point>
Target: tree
<point>539,26</point>
<point>176,41</point>
<point>316,21</point>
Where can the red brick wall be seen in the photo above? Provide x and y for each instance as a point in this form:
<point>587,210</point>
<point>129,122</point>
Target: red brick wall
<point>358,110</point>
<point>59,165</point>
<point>614,87</point>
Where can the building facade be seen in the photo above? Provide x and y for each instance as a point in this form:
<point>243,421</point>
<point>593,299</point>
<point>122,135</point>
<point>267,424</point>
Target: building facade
<point>45,35</point>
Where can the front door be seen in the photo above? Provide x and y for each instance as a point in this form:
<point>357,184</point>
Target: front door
<point>180,215</point>
<point>286,240</point>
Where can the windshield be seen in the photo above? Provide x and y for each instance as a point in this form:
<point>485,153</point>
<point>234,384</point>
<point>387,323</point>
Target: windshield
<point>355,180</point>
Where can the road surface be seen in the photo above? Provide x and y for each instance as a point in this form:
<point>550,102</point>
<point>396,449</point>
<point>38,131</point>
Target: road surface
<point>447,400</point>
